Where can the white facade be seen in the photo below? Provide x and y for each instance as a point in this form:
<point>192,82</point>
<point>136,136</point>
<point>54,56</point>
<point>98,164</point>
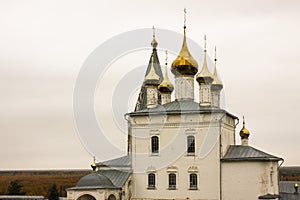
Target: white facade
<point>247,180</point>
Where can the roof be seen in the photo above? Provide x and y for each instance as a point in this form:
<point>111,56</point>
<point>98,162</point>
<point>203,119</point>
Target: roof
<point>117,177</point>
<point>21,197</point>
<point>103,179</point>
<point>247,153</point>
<point>124,161</point>
<point>95,180</point>
<point>179,107</point>
<point>294,196</point>
<point>142,99</point>
<point>287,186</point>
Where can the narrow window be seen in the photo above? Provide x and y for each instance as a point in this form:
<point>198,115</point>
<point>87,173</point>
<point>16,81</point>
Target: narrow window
<point>191,144</point>
<point>193,181</point>
<point>151,181</point>
<point>154,144</point>
<point>172,181</point>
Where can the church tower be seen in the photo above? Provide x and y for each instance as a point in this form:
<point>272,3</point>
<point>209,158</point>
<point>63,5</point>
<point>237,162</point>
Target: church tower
<point>216,86</point>
<point>141,103</point>
<point>184,67</point>
<point>166,87</point>
<point>205,79</point>
<point>151,85</point>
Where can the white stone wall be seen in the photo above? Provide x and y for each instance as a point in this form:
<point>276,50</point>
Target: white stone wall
<point>172,131</point>
<point>205,94</point>
<point>152,96</point>
<point>165,98</point>
<point>247,180</point>
<point>215,95</point>
<point>97,194</point>
<point>184,87</point>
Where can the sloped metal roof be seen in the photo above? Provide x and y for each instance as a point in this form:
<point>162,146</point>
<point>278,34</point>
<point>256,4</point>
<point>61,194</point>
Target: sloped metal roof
<point>287,186</point>
<point>178,107</point>
<point>247,153</point>
<point>124,161</point>
<point>109,179</point>
<point>117,177</point>
<point>95,180</point>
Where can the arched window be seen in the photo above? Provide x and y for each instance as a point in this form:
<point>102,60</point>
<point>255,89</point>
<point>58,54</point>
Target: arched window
<point>86,197</point>
<point>193,182</point>
<point>191,144</point>
<point>111,197</point>
<point>151,181</point>
<point>154,144</point>
<point>172,181</point>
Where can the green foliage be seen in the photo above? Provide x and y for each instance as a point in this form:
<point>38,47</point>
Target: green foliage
<point>53,193</point>
<point>15,188</point>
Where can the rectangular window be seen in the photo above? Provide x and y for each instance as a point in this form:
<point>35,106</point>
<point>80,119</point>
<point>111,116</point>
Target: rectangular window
<point>151,181</point>
<point>154,144</point>
<point>191,144</point>
<point>193,182</point>
<point>172,181</point>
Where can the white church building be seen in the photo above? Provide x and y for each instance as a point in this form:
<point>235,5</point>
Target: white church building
<point>181,149</point>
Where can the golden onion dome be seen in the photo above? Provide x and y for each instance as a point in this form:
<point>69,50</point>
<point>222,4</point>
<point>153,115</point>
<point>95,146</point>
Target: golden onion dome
<point>166,85</point>
<point>216,82</point>
<point>204,76</point>
<point>184,64</point>
<point>244,133</point>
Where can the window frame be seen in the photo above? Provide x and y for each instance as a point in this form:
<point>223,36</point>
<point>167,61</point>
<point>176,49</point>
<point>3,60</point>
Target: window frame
<point>151,181</point>
<point>193,177</point>
<point>191,145</point>
<point>172,178</point>
<point>154,145</point>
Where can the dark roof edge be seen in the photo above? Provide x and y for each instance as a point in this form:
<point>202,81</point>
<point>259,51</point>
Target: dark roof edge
<point>250,159</point>
<point>174,112</point>
<point>89,188</point>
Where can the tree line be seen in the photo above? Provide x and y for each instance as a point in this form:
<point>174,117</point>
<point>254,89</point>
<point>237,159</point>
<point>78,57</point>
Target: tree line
<point>16,188</point>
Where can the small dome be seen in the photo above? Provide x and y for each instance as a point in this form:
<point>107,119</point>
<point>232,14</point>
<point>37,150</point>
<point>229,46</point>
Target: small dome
<point>244,133</point>
<point>166,85</point>
<point>204,76</point>
<point>95,180</point>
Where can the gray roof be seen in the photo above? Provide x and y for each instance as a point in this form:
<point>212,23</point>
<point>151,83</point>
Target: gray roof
<point>103,179</point>
<point>124,161</point>
<point>117,177</point>
<point>294,196</point>
<point>287,186</point>
<point>23,197</point>
<point>247,153</point>
<point>179,107</point>
<point>142,99</point>
<point>95,180</point>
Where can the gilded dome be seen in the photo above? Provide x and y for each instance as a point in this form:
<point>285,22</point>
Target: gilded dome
<point>184,64</point>
<point>204,76</point>
<point>244,133</point>
<point>216,83</point>
<point>166,85</point>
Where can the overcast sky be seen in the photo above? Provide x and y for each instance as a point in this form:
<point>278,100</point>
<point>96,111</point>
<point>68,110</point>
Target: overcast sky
<point>44,44</point>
